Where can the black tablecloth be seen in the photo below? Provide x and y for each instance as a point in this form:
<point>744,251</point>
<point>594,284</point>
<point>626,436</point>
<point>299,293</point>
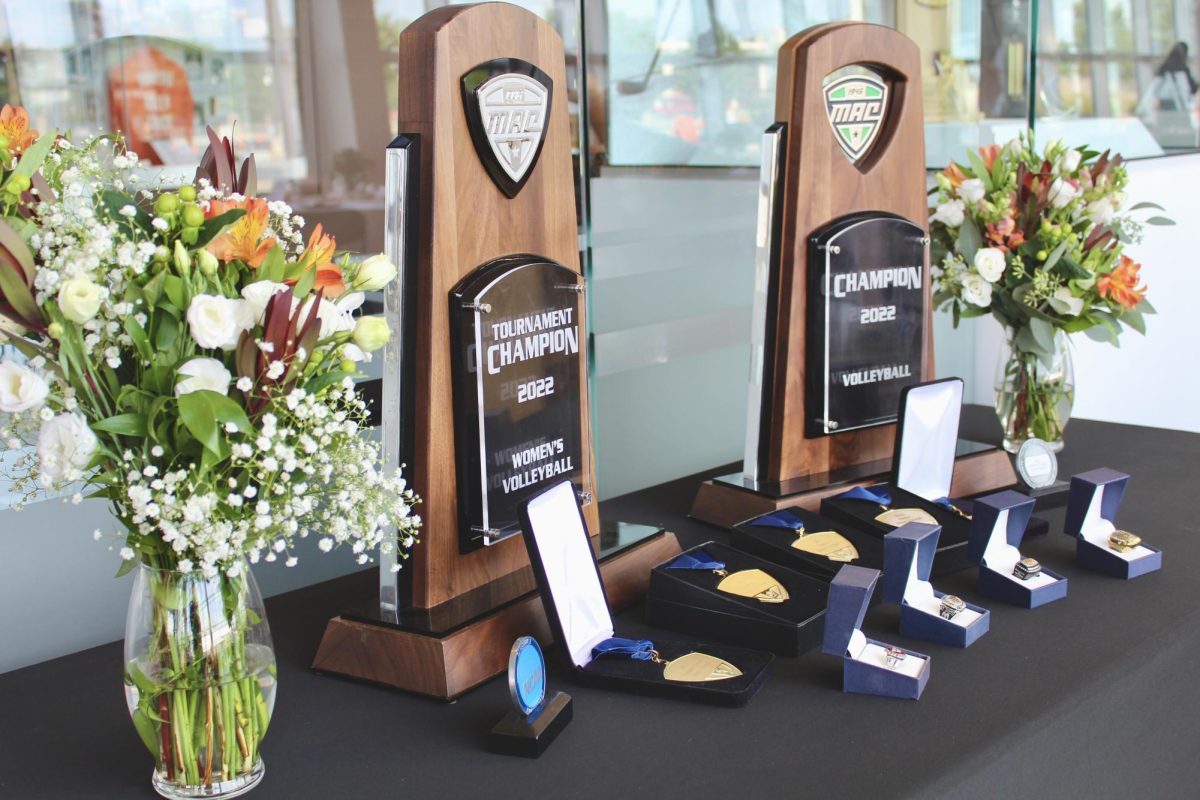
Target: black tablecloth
<point>1096,695</point>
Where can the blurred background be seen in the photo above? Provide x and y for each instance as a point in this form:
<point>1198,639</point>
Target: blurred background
<point>668,100</point>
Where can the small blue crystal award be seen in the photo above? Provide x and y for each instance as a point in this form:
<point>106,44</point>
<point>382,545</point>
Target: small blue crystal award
<point>538,719</point>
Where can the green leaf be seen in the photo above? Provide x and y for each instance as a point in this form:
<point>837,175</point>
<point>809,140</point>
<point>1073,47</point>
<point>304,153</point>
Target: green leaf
<point>1055,255</point>
<point>980,168</point>
<point>126,567</point>
<point>212,228</point>
<point>1160,221</point>
<point>305,284</point>
<point>114,201</point>
<point>1145,205</point>
<point>35,155</point>
<point>1100,333</point>
<point>122,425</point>
<point>1145,308</point>
<point>969,241</point>
<point>168,333</point>
<point>176,291</point>
<point>1026,342</point>
<point>273,265</point>
<point>146,730</point>
<point>1043,333</point>
<point>140,340</point>
<point>1135,320</point>
<point>18,295</point>
<point>197,414</point>
<point>153,289</point>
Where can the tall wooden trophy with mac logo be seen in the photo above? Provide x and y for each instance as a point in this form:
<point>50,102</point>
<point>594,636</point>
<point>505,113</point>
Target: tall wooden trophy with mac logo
<point>485,388</point>
<point>842,318</point>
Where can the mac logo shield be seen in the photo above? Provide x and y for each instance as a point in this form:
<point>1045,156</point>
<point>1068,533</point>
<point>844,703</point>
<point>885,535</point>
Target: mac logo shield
<point>507,101</point>
<point>856,106</point>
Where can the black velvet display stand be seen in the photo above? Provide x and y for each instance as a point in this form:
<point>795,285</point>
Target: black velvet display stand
<point>1091,696</point>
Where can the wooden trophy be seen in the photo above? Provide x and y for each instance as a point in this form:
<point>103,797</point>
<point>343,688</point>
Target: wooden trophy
<point>485,388</point>
<point>842,310</point>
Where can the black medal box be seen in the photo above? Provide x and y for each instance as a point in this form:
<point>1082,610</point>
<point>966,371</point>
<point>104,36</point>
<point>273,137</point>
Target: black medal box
<point>689,601</point>
<point>577,610</point>
<point>775,543</point>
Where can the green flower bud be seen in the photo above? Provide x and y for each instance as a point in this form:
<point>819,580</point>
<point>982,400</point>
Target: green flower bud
<point>161,253</point>
<point>371,333</point>
<point>187,194</point>
<point>166,204</point>
<point>348,365</point>
<point>55,330</point>
<point>18,184</point>
<point>189,235</point>
<point>183,262</point>
<point>1042,255</point>
<point>207,262</point>
<point>193,216</point>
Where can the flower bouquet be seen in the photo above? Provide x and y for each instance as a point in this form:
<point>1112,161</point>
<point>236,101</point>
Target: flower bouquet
<point>1038,241</point>
<point>189,357</point>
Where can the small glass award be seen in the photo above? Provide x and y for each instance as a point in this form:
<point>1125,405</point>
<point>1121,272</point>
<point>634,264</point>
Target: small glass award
<point>1037,465</point>
<point>537,719</point>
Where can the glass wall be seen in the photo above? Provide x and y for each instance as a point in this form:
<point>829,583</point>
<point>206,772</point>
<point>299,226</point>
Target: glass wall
<point>668,100</point>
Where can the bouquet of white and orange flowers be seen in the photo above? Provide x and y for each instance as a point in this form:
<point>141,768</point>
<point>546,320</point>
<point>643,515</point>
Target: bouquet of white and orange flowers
<point>1038,241</point>
<point>187,355</point>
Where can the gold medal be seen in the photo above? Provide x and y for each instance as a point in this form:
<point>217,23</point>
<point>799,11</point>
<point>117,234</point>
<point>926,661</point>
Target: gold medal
<point>902,516</point>
<point>697,668</point>
<point>753,583</point>
<point>830,544</point>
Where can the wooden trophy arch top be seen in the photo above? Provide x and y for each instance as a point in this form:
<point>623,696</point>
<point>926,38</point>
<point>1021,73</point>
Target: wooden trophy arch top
<point>466,221</point>
<point>820,185</point>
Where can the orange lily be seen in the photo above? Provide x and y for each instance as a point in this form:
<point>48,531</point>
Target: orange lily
<point>1121,283</point>
<point>989,154</point>
<point>955,174</point>
<point>319,256</point>
<point>247,240</point>
<point>14,125</point>
<point>1005,235</point>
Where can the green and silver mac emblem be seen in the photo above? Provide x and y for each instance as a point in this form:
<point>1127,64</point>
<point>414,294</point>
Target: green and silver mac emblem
<point>856,105</point>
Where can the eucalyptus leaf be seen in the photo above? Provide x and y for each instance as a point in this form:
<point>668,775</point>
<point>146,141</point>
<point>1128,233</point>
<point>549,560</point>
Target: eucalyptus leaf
<point>1147,204</point>
<point>1160,221</point>
<point>969,240</point>
<point>1134,319</point>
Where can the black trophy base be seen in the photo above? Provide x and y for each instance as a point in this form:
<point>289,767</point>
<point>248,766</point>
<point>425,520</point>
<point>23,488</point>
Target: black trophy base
<point>529,737</point>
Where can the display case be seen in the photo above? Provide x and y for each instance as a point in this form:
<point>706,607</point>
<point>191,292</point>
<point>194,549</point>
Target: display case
<point>776,536</point>
<point>1092,508</point>
<point>577,610</point>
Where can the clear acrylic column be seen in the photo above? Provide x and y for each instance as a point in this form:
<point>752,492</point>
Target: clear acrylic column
<point>396,223</point>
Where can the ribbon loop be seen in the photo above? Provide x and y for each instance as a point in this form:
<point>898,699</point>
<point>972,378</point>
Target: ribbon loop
<point>701,560</point>
<point>878,494</point>
<point>637,649</point>
<point>779,519</point>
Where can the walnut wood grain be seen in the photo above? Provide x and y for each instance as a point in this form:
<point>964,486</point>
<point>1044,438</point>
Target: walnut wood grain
<point>446,667</point>
<point>465,220</point>
<point>819,186</point>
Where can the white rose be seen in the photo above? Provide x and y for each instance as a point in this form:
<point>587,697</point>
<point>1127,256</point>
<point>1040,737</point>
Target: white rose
<point>21,389</point>
<point>989,262</point>
<point>218,321</point>
<point>203,374</point>
<point>1062,192</point>
<point>258,295</point>
<point>971,190</point>
<point>374,274</point>
<point>65,446</point>
<point>1066,303</point>
<point>335,316</point>
<point>976,290</point>
<point>949,213</point>
<point>1101,211</point>
<point>79,299</point>
<point>1068,162</point>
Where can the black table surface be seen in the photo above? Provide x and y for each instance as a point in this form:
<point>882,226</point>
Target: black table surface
<point>1097,695</point>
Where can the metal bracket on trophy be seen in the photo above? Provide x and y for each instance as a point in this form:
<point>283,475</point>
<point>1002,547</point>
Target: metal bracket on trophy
<point>485,390</point>
<point>842,317</point>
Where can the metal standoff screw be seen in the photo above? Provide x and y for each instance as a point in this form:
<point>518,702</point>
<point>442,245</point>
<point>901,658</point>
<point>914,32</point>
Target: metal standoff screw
<point>832,425</point>
<point>832,248</point>
<point>571,287</point>
<point>584,497</point>
<point>486,308</point>
<point>923,240</point>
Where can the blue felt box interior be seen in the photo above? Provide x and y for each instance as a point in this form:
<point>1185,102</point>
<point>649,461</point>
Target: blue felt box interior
<point>909,556</point>
<point>865,667</point>
<point>1092,505</point>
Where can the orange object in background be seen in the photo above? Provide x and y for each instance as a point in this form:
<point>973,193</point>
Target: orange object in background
<point>150,101</point>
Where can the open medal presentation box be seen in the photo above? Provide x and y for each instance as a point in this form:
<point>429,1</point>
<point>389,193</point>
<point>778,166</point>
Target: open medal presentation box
<point>573,595</point>
<point>689,601</point>
<point>996,534</point>
<point>773,536</point>
<point>1092,507</point>
<point>926,439</point>
<point>864,661</point>
<point>908,558</point>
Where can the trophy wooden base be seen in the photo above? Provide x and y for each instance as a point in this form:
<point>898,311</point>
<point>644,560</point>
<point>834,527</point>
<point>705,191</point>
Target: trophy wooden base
<point>729,500</point>
<point>432,653</point>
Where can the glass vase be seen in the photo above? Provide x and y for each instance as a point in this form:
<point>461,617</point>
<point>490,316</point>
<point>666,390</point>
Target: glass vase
<point>1034,394</point>
<point>199,679</point>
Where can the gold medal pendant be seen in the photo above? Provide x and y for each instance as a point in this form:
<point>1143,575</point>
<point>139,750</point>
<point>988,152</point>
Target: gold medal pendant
<point>830,544</point>
<point>753,583</point>
<point>902,516</point>
<point>699,668</point>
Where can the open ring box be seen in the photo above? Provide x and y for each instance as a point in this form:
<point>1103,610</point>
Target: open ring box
<point>908,558</point>
<point>1091,515</point>
<point>577,609</point>
<point>923,468</point>
<point>996,533</point>
<point>865,668</point>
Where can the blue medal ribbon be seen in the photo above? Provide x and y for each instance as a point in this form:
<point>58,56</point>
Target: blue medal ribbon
<point>946,503</point>
<point>637,649</point>
<point>701,560</point>
<point>881,496</point>
<point>779,519</point>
